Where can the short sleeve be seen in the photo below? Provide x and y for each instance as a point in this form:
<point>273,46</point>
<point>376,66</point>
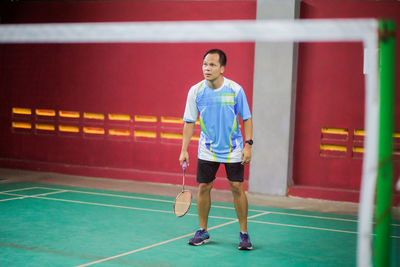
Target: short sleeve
<point>191,110</point>
<point>242,105</point>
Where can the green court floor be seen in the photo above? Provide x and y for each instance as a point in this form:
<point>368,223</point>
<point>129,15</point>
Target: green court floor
<point>49,225</point>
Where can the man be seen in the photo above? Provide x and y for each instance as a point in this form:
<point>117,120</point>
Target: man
<point>218,101</point>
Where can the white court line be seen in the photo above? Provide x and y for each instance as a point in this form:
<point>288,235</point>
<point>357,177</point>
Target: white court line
<point>13,198</point>
<point>169,201</point>
<point>309,227</point>
<point>305,227</point>
<point>212,216</point>
<point>115,195</point>
<point>30,196</point>
<point>163,242</point>
<point>314,216</point>
<point>16,190</point>
<point>101,204</point>
<point>40,196</point>
<point>151,246</point>
<point>214,206</point>
<point>141,198</point>
<point>22,189</point>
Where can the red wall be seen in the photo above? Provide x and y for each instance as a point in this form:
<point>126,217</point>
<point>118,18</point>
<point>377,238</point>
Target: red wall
<point>146,80</point>
<point>152,80</point>
<point>330,94</point>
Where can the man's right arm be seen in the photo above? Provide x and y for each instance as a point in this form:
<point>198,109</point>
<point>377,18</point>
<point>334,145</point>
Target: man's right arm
<point>188,129</point>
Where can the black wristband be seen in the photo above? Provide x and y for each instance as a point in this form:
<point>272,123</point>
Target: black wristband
<point>250,142</point>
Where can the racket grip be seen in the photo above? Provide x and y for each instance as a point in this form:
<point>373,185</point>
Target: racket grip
<point>184,165</point>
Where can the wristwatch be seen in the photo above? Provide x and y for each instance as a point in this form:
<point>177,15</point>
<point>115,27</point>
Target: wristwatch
<point>250,142</point>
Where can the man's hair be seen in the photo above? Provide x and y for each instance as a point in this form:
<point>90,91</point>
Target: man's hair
<point>222,56</point>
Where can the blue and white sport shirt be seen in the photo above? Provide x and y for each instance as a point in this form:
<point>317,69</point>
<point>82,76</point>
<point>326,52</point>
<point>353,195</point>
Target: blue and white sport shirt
<point>220,137</point>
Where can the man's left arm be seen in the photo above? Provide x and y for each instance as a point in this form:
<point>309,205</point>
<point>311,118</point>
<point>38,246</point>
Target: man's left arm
<point>248,135</point>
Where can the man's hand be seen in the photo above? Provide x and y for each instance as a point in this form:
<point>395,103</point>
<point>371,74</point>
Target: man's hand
<point>184,157</point>
<point>188,129</point>
<point>246,154</point>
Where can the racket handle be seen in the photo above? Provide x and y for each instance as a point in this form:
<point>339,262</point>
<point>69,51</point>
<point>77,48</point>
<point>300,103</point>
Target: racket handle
<point>184,165</point>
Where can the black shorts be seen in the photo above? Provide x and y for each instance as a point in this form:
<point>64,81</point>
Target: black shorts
<point>206,171</point>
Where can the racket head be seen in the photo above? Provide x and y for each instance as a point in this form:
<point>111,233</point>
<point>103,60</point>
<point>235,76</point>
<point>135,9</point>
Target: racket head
<point>182,203</point>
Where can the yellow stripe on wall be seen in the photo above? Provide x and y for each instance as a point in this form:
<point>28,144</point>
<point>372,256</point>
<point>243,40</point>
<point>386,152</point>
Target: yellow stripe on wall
<point>119,132</point>
<point>333,147</point>
<point>96,116</point>
<point>358,149</point>
<point>45,127</point>
<point>144,118</point>
<point>195,137</point>
<point>359,132</point>
<point>145,134</point>
<point>335,131</point>
<point>69,129</point>
<point>171,135</point>
<point>22,111</point>
<point>166,119</point>
<point>93,130</point>
<point>21,125</point>
<point>68,114</point>
<point>46,112</point>
<point>362,133</point>
<point>119,117</point>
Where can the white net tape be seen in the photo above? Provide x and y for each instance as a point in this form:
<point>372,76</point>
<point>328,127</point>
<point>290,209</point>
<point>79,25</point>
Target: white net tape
<point>345,30</point>
<point>199,31</point>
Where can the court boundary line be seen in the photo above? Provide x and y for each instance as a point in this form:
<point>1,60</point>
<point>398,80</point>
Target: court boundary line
<point>214,206</point>
<point>312,227</point>
<point>30,196</point>
<point>159,200</point>
<point>305,227</point>
<point>21,189</point>
<point>169,212</point>
<point>189,214</point>
<point>103,204</point>
<point>163,242</point>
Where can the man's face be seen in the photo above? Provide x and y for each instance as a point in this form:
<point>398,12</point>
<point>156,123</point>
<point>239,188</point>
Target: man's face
<point>212,68</point>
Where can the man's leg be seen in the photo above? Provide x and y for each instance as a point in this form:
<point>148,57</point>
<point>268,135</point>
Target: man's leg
<point>204,203</point>
<point>241,204</point>
<point>206,171</point>
<point>203,207</point>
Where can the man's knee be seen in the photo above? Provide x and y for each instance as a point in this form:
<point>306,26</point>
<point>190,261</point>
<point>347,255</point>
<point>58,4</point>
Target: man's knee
<point>205,188</point>
<point>236,187</point>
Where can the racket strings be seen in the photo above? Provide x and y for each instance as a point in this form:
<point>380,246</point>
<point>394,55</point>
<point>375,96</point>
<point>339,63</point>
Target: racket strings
<point>182,203</point>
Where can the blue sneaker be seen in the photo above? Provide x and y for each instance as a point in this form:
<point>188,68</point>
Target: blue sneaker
<point>245,243</point>
<point>201,237</point>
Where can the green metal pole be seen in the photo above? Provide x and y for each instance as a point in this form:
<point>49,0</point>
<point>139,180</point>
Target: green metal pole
<point>385,150</point>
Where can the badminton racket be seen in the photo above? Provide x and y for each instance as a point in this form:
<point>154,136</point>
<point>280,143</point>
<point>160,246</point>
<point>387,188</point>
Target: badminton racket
<point>184,198</point>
